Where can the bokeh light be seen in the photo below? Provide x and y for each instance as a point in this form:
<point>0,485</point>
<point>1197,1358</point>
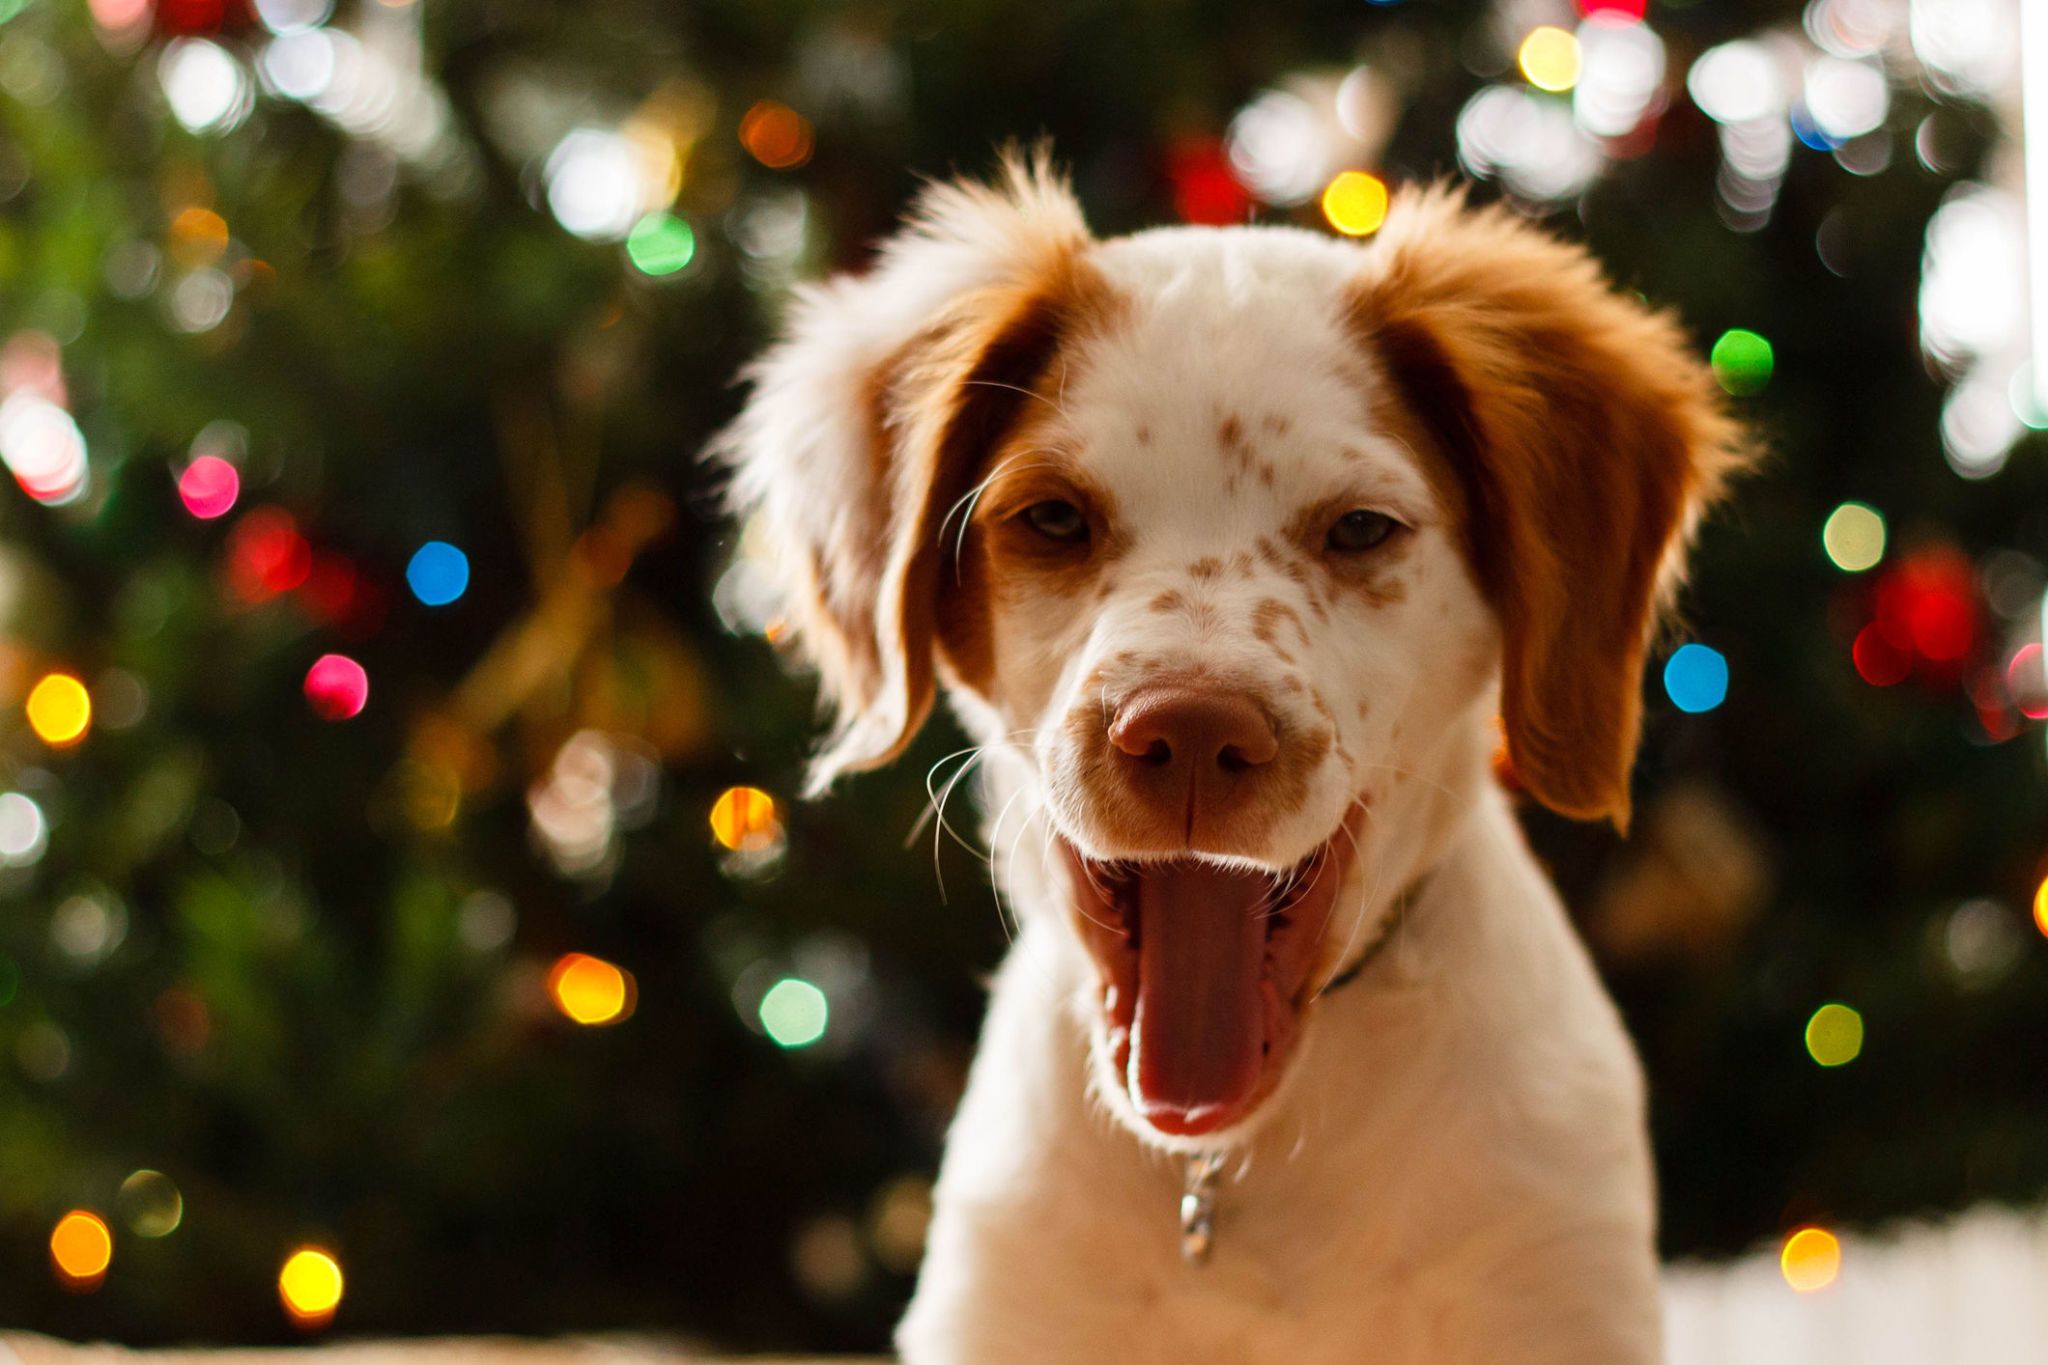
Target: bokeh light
<point>59,710</point>
<point>24,833</point>
<point>1834,1035</point>
<point>205,86</point>
<point>1355,203</point>
<point>1811,1259</point>
<point>337,687</point>
<point>776,135</point>
<point>310,1285</point>
<point>209,487</point>
<point>267,555</point>
<point>1742,361</point>
<point>660,244</point>
<point>437,573</point>
<point>2041,907</point>
<point>1854,536</point>
<point>744,819</point>
<point>43,448</point>
<point>794,1012</point>
<point>1549,58</point>
<point>1696,677</point>
<point>81,1249</point>
<point>1881,658</point>
<point>590,990</point>
<point>2026,683</point>
<point>151,1204</point>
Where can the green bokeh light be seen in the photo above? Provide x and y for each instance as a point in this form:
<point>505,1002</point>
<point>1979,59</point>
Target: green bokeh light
<point>661,244</point>
<point>793,1012</point>
<point>1742,361</point>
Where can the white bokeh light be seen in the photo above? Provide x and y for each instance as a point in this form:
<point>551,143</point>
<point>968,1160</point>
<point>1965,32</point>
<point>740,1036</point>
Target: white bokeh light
<point>594,184</point>
<point>43,448</point>
<point>1737,82</point>
<point>1528,141</point>
<point>1846,98</point>
<point>24,834</point>
<point>1621,74</point>
<point>205,86</point>
<point>299,65</point>
<point>1969,303</point>
<point>1280,148</point>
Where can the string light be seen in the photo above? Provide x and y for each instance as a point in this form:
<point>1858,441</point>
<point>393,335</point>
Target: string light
<point>743,819</point>
<point>590,990</point>
<point>81,1249</point>
<point>1742,362</point>
<point>660,244</point>
<point>1696,678</point>
<point>437,573</point>
<point>310,1285</point>
<point>59,710</point>
<point>1854,537</point>
<point>1834,1035</point>
<point>794,1012</point>
<point>776,135</point>
<point>209,487</point>
<point>1811,1260</point>
<point>1549,58</point>
<point>1355,203</point>
<point>337,687</point>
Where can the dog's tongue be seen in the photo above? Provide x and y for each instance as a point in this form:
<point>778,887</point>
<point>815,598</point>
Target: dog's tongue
<point>1199,1033</point>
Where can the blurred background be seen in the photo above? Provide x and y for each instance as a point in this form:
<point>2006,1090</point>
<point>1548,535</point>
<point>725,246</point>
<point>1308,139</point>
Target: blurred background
<point>405,924</point>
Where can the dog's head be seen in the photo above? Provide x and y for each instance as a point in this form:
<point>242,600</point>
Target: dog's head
<point>1230,545</point>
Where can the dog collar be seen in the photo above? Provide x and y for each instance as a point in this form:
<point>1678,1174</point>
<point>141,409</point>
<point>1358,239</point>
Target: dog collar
<point>1199,1176</point>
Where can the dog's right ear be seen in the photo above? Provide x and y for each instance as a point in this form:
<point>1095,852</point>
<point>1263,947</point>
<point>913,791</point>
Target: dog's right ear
<point>868,420</point>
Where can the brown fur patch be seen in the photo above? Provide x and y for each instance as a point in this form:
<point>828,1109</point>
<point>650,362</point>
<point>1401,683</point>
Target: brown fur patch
<point>1584,437</point>
<point>1274,424</point>
<point>1205,569</point>
<point>1170,600</point>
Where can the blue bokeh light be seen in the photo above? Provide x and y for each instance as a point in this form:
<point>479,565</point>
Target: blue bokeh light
<point>1696,678</point>
<point>438,573</point>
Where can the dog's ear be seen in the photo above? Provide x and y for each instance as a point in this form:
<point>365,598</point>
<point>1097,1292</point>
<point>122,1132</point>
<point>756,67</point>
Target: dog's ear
<point>868,420</point>
<point>1586,439</point>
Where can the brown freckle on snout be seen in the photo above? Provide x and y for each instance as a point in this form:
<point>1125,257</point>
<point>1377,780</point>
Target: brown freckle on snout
<point>1205,568</point>
<point>1275,424</point>
<point>1170,600</point>
<point>1144,434</point>
<point>1267,474</point>
<point>1364,709</point>
<point>1230,431</point>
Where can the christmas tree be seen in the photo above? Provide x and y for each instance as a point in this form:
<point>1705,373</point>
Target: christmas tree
<point>406,923</point>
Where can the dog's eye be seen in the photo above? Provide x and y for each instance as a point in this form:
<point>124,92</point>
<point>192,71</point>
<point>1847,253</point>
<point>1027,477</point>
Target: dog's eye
<point>1057,520</point>
<point>1359,531</point>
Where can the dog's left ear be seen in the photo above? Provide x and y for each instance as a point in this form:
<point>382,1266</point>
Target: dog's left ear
<point>1586,437</point>
<point>868,424</point>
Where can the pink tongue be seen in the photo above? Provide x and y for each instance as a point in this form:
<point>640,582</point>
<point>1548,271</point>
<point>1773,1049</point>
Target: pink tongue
<point>1199,1033</point>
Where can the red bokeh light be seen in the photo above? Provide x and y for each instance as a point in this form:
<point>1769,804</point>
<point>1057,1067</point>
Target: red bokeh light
<point>1627,9</point>
<point>267,555</point>
<point>2026,683</point>
<point>1882,659</point>
<point>209,487</point>
<point>337,687</point>
<point>1204,190</point>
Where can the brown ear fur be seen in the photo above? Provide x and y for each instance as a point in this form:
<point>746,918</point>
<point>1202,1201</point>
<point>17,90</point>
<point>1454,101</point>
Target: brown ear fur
<point>1587,438</point>
<point>868,421</point>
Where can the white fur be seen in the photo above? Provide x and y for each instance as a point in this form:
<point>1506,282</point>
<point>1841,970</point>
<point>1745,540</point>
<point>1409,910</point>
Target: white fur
<point>1455,1167</point>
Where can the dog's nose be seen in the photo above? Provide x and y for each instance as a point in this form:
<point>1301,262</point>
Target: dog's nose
<point>1196,732</point>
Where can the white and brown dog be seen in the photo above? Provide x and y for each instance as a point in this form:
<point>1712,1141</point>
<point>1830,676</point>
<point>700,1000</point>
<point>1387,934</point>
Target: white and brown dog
<point>1229,546</point>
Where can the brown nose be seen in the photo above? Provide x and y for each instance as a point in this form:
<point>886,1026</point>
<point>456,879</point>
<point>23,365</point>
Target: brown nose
<point>1193,734</point>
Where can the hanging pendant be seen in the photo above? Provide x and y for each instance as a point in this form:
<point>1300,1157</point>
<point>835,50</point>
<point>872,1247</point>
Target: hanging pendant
<point>1198,1207</point>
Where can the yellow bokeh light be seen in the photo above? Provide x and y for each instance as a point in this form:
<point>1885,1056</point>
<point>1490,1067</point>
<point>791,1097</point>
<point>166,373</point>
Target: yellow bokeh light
<point>2041,906</point>
<point>310,1286</point>
<point>744,819</point>
<point>81,1248</point>
<point>1834,1035</point>
<point>590,990</point>
<point>1549,59</point>
<point>1853,536</point>
<point>59,710</point>
<point>1355,203</point>
<point>1811,1260</point>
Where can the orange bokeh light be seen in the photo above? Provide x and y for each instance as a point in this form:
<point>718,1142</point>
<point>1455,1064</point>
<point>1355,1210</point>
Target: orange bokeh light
<point>81,1248</point>
<point>1811,1260</point>
<point>590,990</point>
<point>744,820</point>
<point>776,135</point>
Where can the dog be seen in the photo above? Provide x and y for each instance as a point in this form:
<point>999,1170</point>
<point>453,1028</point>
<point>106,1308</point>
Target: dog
<point>1238,553</point>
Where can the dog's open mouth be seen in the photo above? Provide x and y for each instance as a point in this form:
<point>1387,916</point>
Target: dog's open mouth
<point>1206,971</point>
